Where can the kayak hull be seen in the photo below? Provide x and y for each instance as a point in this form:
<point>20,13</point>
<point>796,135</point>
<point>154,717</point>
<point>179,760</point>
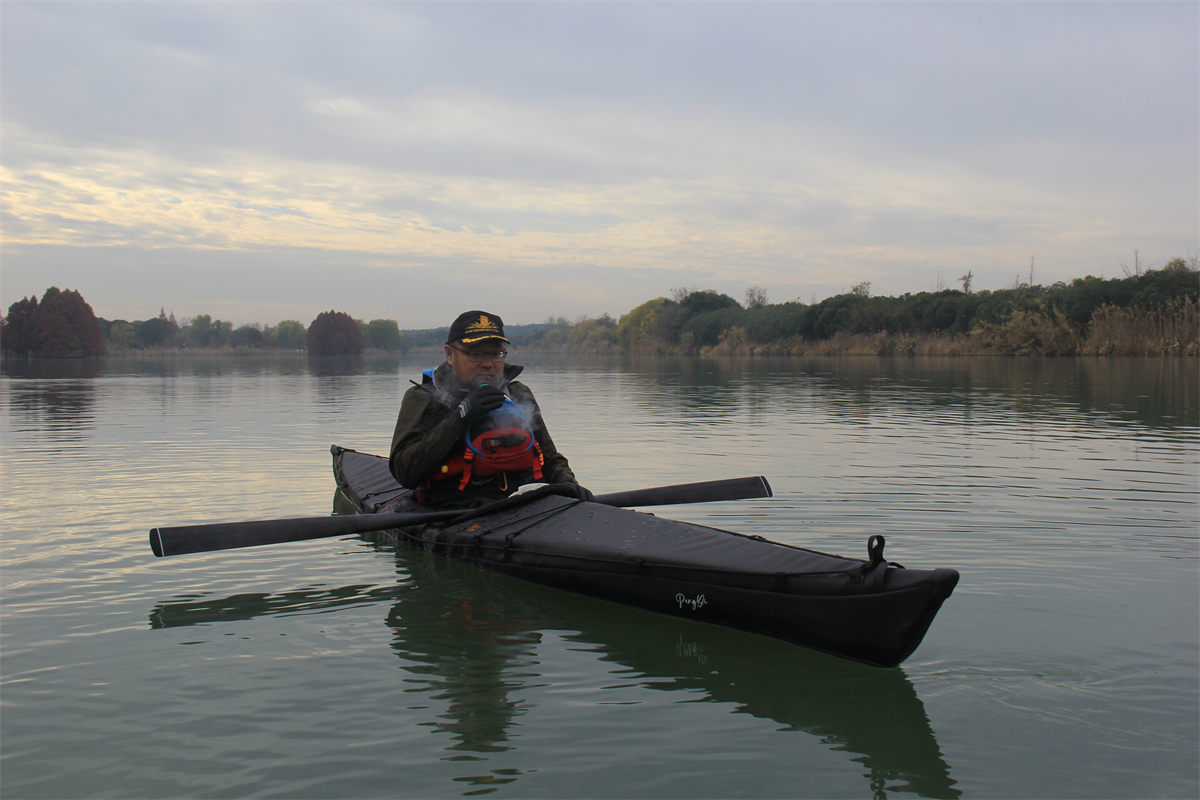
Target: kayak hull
<point>867,610</point>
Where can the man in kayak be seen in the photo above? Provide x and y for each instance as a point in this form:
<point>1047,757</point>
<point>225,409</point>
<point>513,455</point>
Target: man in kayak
<point>469,433</point>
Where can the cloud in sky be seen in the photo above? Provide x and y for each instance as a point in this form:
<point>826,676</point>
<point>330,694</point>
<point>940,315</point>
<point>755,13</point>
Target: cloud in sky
<point>264,161</point>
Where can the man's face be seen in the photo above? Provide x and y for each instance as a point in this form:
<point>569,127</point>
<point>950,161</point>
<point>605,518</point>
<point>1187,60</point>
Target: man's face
<point>476,363</point>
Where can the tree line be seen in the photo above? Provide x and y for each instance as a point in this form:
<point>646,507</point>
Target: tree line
<point>63,325</point>
<point>1147,312</point>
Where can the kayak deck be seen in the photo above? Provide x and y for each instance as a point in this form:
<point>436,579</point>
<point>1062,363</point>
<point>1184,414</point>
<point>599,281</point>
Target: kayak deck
<point>867,610</point>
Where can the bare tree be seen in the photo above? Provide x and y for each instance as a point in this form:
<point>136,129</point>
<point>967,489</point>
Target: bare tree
<point>1136,271</point>
<point>966,281</point>
<point>756,297</point>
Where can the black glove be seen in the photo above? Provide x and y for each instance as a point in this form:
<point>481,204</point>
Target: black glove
<point>479,402</point>
<point>583,494</point>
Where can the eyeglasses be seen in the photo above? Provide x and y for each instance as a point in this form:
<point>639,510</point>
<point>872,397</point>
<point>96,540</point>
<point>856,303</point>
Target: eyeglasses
<point>479,356</point>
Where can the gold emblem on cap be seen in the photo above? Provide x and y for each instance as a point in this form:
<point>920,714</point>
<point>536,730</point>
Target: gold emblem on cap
<point>484,323</point>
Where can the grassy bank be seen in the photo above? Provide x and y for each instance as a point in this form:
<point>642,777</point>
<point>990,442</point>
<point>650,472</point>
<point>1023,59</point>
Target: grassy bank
<point>1172,330</point>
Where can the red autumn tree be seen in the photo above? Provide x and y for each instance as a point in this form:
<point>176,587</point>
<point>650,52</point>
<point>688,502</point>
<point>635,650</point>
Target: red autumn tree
<point>18,330</point>
<point>61,326</point>
<point>334,333</point>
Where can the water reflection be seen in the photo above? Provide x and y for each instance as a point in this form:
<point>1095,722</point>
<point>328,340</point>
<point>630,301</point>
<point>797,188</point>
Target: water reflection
<point>203,611</point>
<point>51,368</point>
<point>1156,392</point>
<point>63,409</point>
<point>372,363</point>
<point>475,640</point>
<point>477,631</point>
<point>460,644</point>
<point>335,366</point>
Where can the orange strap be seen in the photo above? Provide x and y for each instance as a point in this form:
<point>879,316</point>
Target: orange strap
<point>468,458</point>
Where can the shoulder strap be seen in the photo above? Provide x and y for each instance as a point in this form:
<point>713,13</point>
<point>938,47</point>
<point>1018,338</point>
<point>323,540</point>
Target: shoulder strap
<point>429,384</point>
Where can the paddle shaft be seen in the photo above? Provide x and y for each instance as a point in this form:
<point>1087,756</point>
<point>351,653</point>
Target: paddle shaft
<point>184,539</point>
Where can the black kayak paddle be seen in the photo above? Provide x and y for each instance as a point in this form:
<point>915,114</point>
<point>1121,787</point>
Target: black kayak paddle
<point>228,535</point>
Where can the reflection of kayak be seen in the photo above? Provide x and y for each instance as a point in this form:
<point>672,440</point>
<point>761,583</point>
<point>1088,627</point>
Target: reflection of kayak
<point>869,610</point>
<point>462,633</point>
<point>872,715</point>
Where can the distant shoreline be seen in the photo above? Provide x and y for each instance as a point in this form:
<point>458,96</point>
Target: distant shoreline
<point>852,346</point>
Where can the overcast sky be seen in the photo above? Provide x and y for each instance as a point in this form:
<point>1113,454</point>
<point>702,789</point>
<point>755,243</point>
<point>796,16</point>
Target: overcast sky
<point>268,161</point>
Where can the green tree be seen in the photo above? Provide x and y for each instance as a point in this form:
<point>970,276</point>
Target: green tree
<point>597,335</point>
<point>707,300</point>
<point>843,313</point>
<point>334,333</point>
<point>247,337</point>
<point>288,335</point>
<point>197,331</point>
<point>121,334</point>
<point>647,326</point>
<point>706,329</point>
<point>204,332</point>
<point>222,333</point>
<point>774,323</point>
<point>160,331</point>
<point>383,334</point>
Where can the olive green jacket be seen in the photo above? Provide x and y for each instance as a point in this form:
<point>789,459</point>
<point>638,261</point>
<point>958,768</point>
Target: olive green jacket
<point>428,433</point>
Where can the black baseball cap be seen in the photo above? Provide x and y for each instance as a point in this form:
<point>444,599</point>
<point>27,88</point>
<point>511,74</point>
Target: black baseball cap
<point>476,326</point>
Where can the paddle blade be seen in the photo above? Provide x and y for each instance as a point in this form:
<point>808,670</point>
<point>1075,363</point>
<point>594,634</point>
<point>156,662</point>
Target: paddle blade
<point>702,492</point>
<point>228,535</point>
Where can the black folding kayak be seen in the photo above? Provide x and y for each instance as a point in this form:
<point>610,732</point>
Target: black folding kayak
<point>866,609</point>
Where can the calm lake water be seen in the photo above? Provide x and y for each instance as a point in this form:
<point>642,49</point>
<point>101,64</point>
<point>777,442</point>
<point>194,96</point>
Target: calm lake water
<point>1064,665</point>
